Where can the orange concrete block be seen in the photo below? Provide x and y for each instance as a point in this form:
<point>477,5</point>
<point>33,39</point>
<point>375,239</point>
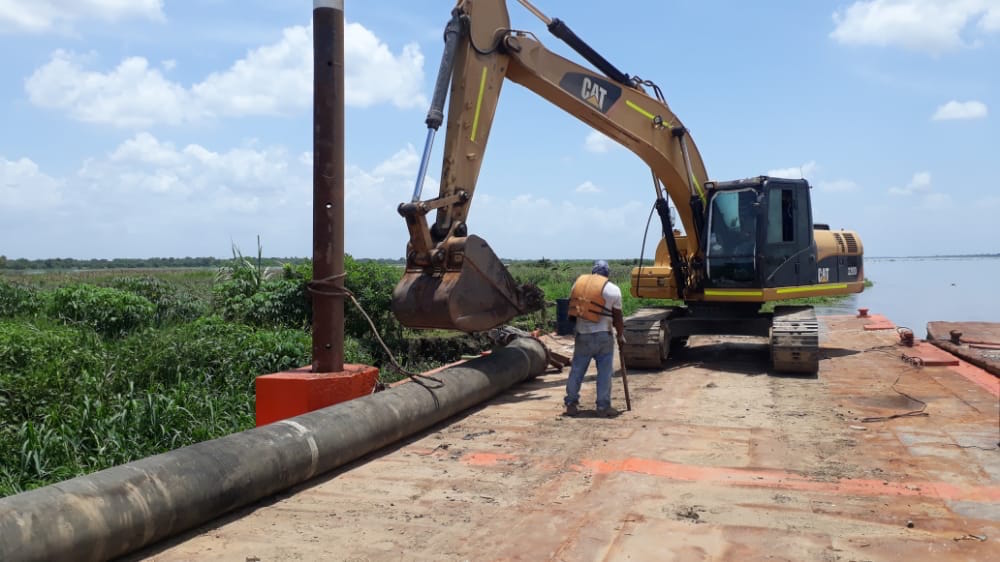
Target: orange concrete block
<point>291,393</point>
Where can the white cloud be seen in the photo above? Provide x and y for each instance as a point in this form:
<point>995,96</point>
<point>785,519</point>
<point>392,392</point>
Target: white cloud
<point>403,163</point>
<point>804,171</point>
<point>990,21</point>
<point>931,26</point>
<point>920,183</point>
<point>810,171</point>
<point>131,95</point>
<point>837,185</point>
<point>936,201</point>
<point>555,228</point>
<point>961,110</point>
<point>273,79</point>
<point>23,187</point>
<point>38,16</point>
<point>599,143</point>
<point>587,187</point>
<point>143,166</point>
<point>149,196</point>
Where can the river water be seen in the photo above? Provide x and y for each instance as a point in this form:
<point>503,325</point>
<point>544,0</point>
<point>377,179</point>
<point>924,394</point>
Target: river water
<point>914,291</point>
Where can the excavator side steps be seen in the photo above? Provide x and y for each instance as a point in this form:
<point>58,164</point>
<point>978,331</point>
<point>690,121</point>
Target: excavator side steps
<point>795,340</point>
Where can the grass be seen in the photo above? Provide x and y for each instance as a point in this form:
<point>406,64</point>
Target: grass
<point>101,368</point>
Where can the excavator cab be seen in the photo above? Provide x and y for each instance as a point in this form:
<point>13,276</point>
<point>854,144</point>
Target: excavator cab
<point>760,234</point>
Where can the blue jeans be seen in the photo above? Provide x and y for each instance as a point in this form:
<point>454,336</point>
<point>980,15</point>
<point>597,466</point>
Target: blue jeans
<point>601,347</point>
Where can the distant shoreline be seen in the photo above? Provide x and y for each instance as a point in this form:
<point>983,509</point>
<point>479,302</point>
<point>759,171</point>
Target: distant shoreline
<point>71,264</point>
<point>945,257</point>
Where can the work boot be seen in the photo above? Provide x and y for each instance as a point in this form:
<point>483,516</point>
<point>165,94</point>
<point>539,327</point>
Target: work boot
<point>608,412</point>
<point>572,410</point>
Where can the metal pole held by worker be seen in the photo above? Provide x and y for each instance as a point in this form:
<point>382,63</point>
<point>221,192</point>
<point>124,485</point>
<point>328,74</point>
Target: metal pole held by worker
<point>628,399</point>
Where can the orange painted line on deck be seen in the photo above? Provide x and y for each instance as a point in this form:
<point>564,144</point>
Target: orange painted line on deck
<point>791,481</point>
<point>487,459</point>
<point>978,376</point>
<point>758,478</point>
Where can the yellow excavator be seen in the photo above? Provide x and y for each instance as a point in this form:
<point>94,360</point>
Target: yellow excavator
<point>744,242</point>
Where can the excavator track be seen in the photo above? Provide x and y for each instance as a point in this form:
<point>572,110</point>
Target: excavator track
<point>795,340</point>
<point>647,338</point>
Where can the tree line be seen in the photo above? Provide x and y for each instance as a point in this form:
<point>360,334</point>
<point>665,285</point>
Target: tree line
<point>22,264</point>
<point>123,263</point>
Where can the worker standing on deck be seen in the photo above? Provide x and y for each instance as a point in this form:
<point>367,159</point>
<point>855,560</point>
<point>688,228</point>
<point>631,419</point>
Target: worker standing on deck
<point>596,304</point>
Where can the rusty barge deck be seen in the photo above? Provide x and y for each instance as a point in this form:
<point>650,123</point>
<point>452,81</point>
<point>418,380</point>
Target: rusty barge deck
<point>719,460</point>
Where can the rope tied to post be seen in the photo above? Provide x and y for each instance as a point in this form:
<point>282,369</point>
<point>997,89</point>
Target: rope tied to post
<point>333,286</point>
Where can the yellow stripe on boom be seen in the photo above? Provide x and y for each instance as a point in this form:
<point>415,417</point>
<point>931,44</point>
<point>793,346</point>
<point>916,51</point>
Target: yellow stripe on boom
<point>641,111</point>
<point>701,192</point>
<point>694,180</point>
<point>479,105</point>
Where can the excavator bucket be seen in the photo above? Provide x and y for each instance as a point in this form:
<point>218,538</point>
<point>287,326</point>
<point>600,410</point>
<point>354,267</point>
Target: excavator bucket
<point>471,292</point>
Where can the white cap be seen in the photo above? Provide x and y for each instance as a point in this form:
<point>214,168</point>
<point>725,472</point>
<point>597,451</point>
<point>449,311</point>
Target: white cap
<point>335,4</point>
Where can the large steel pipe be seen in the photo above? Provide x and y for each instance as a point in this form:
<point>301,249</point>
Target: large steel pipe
<point>122,509</point>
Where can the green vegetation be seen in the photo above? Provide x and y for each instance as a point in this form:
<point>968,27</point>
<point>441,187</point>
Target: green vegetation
<point>102,367</point>
<point>98,370</point>
<point>109,312</point>
<point>64,264</point>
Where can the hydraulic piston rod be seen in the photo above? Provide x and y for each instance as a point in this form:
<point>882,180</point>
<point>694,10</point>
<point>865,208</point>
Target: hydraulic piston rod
<point>435,115</point>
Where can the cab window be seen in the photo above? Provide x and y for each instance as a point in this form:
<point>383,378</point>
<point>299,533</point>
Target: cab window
<point>781,216</point>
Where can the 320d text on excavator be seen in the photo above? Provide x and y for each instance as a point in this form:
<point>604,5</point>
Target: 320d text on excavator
<point>739,243</point>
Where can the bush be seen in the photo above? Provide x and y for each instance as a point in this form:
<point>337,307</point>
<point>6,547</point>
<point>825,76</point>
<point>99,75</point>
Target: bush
<point>17,300</point>
<point>109,312</point>
<point>212,350</point>
<point>283,303</point>
<point>243,292</point>
<point>42,365</point>
<point>372,284</point>
<point>172,304</point>
<point>287,302</point>
<point>74,403</point>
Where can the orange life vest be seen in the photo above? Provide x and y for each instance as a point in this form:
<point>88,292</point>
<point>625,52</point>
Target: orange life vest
<point>587,298</point>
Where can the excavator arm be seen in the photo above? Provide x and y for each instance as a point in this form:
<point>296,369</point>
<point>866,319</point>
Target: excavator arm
<point>453,280</point>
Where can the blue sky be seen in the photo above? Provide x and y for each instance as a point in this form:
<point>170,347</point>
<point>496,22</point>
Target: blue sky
<point>136,128</point>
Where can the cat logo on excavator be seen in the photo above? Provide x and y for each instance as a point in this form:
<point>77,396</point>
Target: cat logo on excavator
<point>596,92</point>
<point>593,93</point>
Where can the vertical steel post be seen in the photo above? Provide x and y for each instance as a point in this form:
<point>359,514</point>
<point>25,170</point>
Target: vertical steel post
<point>328,184</point>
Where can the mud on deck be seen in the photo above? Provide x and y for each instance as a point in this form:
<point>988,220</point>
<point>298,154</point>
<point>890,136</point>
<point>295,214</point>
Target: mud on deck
<point>719,459</point>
